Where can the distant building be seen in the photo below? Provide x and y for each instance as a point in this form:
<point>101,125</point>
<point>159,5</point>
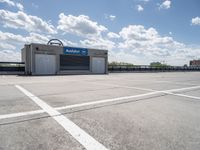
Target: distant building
<point>195,63</point>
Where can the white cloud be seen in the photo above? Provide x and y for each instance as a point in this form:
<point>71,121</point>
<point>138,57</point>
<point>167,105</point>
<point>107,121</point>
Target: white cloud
<point>135,43</point>
<point>144,0</point>
<point>10,55</point>
<point>80,25</point>
<point>90,30</point>
<point>112,17</point>
<point>34,5</point>
<point>69,43</point>
<point>138,32</point>
<point>20,6</point>
<point>11,44</point>
<point>149,45</point>
<point>136,37</point>
<point>99,43</point>
<point>37,38</point>
<point>112,35</point>
<point>11,3</point>
<point>10,38</point>
<point>165,5</point>
<point>21,20</point>
<point>195,21</point>
<point>6,46</point>
<point>139,8</point>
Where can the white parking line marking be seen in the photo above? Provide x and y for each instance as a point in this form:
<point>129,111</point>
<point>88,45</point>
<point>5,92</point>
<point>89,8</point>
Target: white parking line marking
<point>129,97</point>
<point>80,135</point>
<point>26,113</point>
<point>182,89</point>
<point>150,90</point>
<point>123,86</point>
<point>164,91</point>
<point>162,81</point>
<point>183,95</point>
<point>13,115</point>
<point>106,101</point>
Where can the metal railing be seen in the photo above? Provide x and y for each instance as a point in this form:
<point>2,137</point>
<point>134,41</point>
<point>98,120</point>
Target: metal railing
<point>125,68</point>
<point>12,67</point>
<point>20,67</point>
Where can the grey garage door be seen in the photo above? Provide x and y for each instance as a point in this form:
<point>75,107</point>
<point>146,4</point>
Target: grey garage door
<point>45,64</point>
<point>98,65</point>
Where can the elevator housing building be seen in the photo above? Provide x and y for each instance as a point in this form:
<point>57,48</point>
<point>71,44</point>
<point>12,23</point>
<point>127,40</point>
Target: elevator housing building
<point>42,59</point>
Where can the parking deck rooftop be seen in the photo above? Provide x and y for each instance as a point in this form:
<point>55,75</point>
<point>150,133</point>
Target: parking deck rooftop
<point>129,111</point>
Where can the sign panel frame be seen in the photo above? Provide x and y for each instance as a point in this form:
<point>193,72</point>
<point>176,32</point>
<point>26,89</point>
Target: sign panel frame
<point>75,51</point>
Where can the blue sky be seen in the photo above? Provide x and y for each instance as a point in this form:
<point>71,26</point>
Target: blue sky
<point>135,31</point>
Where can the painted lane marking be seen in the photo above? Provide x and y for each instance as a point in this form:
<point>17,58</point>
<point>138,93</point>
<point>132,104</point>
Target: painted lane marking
<point>26,113</point>
<point>163,81</point>
<point>164,91</point>
<point>13,115</point>
<point>123,86</point>
<point>183,95</point>
<point>129,97</point>
<point>151,90</point>
<point>79,134</point>
<point>155,81</point>
<point>106,101</point>
<point>182,89</point>
<point>6,116</point>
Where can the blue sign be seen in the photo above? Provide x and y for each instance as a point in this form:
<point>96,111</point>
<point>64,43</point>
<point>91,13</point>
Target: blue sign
<point>75,51</point>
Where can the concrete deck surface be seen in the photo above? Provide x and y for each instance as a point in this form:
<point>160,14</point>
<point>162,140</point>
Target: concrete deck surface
<point>116,110</point>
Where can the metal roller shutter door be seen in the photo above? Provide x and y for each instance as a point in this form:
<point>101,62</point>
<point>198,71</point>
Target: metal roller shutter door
<point>45,64</point>
<point>98,65</point>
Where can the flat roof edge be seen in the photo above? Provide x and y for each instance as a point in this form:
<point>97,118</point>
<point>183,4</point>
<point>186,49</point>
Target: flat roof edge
<point>66,46</point>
